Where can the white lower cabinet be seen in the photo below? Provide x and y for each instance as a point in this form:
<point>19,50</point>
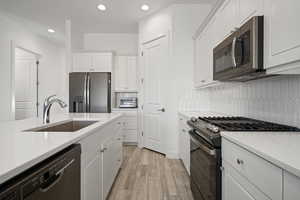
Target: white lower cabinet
<point>101,161</point>
<point>237,187</point>
<point>109,162</point>
<point>184,142</point>
<point>248,176</point>
<point>93,179</point>
<point>130,125</point>
<point>291,186</point>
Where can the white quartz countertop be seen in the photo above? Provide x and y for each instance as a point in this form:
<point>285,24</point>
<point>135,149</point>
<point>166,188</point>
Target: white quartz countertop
<point>281,149</point>
<point>21,150</point>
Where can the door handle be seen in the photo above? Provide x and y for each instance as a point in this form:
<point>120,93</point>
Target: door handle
<point>162,110</point>
<point>233,52</point>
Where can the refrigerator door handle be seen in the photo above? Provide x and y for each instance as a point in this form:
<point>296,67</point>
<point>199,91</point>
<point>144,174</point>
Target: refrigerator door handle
<point>85,92</point>
<point>88,93</point>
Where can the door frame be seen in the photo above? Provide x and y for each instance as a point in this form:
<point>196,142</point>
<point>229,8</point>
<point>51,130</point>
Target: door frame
<point>141,72</point>
<point>13,46</point>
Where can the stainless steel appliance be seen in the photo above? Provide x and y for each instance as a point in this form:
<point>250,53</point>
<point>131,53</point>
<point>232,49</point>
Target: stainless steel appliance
<point>90,92</point>
<point>128,102</point>
<point>205,150</point>
<point>240,56</point>
<point>55,178</point>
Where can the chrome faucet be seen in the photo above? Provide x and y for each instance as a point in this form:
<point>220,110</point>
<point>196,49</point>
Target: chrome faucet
<point>49,101</point>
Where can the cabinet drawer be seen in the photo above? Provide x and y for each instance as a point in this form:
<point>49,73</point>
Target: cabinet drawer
<point>130,123</point>
<point>266,176</point>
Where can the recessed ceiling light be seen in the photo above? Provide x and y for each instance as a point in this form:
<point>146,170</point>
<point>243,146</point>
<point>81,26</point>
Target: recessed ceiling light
<point>51,30</point>
<point>145,7</point>
<point>101,7</point>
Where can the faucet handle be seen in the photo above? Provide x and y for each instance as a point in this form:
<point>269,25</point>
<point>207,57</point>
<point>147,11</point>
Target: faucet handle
<point>49,98</point>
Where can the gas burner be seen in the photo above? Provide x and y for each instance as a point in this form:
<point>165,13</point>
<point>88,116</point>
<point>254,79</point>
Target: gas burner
<point>243,124</point>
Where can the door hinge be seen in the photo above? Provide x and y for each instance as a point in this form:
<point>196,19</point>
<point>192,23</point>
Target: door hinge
<point>142,80</point>
<point>142,107</point>
<point>142,133</point>
<point>142,54</point>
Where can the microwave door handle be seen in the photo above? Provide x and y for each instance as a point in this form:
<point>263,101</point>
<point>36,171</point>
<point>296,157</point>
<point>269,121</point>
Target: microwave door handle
<point>233,52</point>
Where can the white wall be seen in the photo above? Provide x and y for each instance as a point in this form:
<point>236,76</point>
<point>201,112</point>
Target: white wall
<point>180,21</point>
<point>51,65</point>
<point>120,43</point>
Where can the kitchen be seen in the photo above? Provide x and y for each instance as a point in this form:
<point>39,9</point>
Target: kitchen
<point>153,100</point>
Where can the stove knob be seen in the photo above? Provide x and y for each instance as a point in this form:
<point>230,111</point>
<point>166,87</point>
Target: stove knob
<point>194,119</point>
<point>213,128</point>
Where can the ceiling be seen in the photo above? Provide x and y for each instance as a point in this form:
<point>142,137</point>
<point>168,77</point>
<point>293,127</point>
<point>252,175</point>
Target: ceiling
<point>121,16</point>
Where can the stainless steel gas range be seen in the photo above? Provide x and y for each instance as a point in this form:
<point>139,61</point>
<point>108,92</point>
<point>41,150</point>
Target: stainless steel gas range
<point>205,149</point>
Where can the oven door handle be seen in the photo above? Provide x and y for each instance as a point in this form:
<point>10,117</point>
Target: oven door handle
<point>204,148</point>
<point>233,52</point>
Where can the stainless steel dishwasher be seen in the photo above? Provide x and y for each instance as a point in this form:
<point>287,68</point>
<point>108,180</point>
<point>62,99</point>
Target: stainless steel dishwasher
<point>58,177</point>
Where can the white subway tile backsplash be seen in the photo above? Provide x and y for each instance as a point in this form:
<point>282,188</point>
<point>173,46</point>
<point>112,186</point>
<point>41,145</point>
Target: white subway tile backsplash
<point>274,99</point>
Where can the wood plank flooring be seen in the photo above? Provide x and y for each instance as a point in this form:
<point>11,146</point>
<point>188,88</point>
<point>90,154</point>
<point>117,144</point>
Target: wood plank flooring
<point>147,175</point>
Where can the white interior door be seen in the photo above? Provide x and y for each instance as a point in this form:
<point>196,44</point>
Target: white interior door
<point>155,55</point>
<point>25,85</point>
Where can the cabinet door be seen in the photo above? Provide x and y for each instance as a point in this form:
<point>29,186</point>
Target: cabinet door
<point>132,73</point>
<point>283,31</point>
<point>101,62</point>
<point>82,62</point>
<point>121,73</point>
<point>109,160</point>
<point>93,179</point>
<point>233,190</point>
<point>227,19</point>
<point>203,74</point>
<point>291,186</point>
<point>248,9</point>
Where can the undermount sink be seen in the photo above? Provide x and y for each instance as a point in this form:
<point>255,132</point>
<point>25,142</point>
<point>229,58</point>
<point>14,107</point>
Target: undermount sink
<point>69,126</point>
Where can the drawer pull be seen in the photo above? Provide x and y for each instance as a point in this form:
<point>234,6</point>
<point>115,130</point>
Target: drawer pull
<point>239,161</point>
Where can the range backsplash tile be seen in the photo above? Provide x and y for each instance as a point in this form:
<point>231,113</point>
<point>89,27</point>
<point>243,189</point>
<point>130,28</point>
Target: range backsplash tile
<point>274,99</point>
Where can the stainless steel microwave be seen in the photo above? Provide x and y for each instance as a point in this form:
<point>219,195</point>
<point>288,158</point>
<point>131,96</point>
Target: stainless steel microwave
<point>240,57</point>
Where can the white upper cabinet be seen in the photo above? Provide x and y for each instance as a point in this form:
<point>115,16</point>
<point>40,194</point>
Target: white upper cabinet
<point>226,19</point>
<point>126,73</point>
<point>203,66</point>
<point>248,9</point>
<point>282,33</point>
<point>92,62</point>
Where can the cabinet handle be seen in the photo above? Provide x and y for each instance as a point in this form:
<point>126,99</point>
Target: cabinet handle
<point>119,139</point>
<point>183,130</point>
<point>203,81</point>
<point>119,123</point>
<point>239,161</point>
<point>91,70</point>
<point>104,149</point>
<point>181,119</point>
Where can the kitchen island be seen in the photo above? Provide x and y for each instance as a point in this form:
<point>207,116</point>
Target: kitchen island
<point>21,149</point>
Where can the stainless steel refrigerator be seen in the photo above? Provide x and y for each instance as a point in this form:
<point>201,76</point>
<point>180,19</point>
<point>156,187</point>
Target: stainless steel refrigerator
<point>90,92</point>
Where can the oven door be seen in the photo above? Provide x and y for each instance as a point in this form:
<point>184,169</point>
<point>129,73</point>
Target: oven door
<point>205,169</point>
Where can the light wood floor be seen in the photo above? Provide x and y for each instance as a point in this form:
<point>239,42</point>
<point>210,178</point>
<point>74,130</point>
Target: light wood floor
<point>147,175</point>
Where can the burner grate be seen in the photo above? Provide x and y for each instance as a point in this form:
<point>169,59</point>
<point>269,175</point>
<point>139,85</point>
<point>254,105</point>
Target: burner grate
<point>246,124</point>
